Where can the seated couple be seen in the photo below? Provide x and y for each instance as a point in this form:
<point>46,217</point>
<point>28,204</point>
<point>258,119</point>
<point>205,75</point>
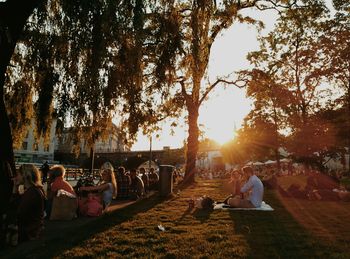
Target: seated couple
<point>250,195</point>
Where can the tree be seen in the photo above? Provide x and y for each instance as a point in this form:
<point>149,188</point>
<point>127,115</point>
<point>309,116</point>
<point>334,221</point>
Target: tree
<point>270,101</point>
<point>12,21</point>
<point>194,26</point>
<point>286,80</point>
<point>335,46</point>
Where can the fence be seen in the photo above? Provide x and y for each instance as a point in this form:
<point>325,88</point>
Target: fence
<point>76,173</point>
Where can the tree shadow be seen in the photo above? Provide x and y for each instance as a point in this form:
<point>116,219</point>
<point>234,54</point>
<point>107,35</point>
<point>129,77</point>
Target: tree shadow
<point>202,214</point>
<point>59,236</point>
<point>275,233</point>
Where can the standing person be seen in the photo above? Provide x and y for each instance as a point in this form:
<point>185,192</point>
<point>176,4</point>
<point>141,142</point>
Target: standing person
<point>254,185</point>
<point>45,168</point>
<point>30,210</point>
<point>145,179</point>
<point>108,186</point>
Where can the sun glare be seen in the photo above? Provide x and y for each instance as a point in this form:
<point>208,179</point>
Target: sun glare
<point>223,114</point>
<point>221,136</point>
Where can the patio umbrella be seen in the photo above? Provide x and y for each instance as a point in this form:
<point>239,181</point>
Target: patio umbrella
<point>270,162</point>
<point>258,163</point>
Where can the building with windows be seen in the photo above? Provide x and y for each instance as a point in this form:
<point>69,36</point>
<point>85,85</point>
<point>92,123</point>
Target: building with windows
<point>34,150</point>
<point>64,146</point>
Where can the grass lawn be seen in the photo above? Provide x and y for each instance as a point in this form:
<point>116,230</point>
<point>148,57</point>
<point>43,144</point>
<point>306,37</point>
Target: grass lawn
<point>295,229</point>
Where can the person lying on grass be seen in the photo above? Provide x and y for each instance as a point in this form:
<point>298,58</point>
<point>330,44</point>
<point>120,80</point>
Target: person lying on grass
<point>253,185</point>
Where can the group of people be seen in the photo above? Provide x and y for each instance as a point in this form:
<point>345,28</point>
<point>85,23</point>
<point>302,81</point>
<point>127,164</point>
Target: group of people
<point>23,219</point>
<point>318,187</point>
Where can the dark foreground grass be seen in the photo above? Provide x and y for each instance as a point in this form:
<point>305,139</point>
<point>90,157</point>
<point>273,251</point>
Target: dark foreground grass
<point>132,232</point>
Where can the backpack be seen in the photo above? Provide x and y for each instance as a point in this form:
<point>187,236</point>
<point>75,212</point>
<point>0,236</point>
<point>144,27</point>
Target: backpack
<point>207,203</point>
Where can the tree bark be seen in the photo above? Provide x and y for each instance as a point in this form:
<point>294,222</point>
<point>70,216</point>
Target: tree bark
<point>13,16</point>
<point>192,144</point>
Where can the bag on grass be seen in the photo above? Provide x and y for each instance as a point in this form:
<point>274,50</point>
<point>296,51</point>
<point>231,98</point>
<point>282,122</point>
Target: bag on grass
<point>64,207</point>
<point>94,206</point>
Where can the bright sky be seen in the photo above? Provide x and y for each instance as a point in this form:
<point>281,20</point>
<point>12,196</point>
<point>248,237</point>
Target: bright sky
<point>225,108</point>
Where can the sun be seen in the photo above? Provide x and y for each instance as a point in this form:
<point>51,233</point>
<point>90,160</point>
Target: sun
<point>221,136</point>
<point>223,114</point>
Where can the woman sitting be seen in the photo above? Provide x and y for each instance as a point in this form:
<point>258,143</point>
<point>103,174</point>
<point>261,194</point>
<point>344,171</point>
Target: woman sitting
<point>30,210</point>
<point>57,174</point>
<point>108,185</point>
<point>62,203</point>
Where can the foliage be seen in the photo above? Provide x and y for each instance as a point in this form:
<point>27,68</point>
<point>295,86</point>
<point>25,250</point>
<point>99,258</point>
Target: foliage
<point>286,83</point>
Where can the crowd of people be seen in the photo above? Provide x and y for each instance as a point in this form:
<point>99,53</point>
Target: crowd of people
<point>31,203</point>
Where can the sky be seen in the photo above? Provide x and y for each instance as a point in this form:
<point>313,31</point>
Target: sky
<point>225,108</point>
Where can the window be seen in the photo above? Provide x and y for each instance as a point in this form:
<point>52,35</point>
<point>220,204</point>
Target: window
<point>35,146</point>
<point>24,145</point>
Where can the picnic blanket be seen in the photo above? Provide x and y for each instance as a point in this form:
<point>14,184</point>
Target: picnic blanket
<point>222,206</point>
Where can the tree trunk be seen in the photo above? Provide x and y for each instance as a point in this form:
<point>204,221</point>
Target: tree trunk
<point>348,127</point>
<point>92,161</point>
<point>192,144</point>
<point>6,150</point>
<point>13,16</point>
<point>277,155</point>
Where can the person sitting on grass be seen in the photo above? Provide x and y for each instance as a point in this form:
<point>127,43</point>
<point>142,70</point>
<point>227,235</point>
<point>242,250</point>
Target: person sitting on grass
<point>235,182</point>
<point>254,185</point>
<point>57,173</point>
<point>153,179</point>
<point>136,185</point>
<point>108,185</point>
<point>30,209</point>
<point>123,181</point>
<point>55,183</point>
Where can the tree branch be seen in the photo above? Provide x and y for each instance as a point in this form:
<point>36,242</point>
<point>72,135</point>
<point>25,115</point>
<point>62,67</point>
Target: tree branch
<point>211,87</point>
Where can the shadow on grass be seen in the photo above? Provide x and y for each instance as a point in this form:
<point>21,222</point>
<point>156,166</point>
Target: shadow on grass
<point>275,234</point>
<point>202,214</point>
<point>73,233</point>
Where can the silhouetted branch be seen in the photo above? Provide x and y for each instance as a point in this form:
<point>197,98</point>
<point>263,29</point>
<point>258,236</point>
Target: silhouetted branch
<point>211,87</point>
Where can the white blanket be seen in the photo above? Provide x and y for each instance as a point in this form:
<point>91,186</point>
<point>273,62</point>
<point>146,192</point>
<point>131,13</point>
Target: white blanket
<point>264,206</point>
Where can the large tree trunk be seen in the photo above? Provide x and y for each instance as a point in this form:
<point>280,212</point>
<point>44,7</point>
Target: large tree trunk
<point>13,16</point>
<point>192,144</point>
<point>348,127</point>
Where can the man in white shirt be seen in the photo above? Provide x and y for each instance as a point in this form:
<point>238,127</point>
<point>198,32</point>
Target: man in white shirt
<point>254,185</point>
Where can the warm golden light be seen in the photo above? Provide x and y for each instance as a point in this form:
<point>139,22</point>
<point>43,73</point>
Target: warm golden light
<point>222,115</point>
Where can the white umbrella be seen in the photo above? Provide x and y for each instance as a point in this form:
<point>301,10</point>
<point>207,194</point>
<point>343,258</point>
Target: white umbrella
<point>269,162</point>
<point>258,163</point>
<point>285,160</point>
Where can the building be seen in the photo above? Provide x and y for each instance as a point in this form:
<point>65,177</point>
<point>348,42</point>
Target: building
<point>34,151</point>
<point>65,143</point>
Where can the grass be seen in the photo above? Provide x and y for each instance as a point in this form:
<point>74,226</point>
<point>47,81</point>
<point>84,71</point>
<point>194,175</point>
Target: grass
<point>346,182</point>
<point>295,229</point>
